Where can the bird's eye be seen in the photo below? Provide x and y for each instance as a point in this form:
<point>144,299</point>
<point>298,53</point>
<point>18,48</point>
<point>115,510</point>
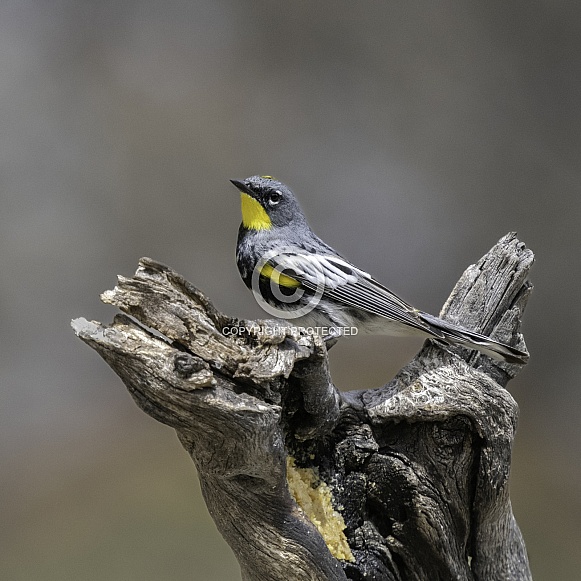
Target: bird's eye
<point>274,198</point>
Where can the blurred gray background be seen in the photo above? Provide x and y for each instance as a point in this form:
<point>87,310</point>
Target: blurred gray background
<point>415,134</point>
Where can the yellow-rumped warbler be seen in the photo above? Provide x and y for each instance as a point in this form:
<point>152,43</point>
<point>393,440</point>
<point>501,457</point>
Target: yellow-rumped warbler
<point>296,276</point>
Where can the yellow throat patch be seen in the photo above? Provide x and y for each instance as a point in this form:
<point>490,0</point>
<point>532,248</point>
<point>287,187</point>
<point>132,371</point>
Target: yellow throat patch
<point>254,216</point>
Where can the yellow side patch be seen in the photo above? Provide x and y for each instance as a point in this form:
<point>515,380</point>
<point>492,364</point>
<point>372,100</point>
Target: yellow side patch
<point>254,216</point>
<point>315,499</point>
<point>268,271</point>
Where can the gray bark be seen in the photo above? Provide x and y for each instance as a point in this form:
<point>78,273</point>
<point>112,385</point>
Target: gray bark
<point>417,469</point>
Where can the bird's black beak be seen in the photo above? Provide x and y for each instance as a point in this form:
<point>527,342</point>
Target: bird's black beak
<point>242,187</point>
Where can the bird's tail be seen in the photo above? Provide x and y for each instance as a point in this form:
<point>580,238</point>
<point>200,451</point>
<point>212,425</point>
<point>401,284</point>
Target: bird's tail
<point>451,333</point>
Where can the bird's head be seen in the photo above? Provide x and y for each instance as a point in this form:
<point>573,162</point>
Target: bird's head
<point>266,202</point>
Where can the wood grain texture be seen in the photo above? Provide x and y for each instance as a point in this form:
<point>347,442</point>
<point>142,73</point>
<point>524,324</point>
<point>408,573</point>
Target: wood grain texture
<point>418,469</point>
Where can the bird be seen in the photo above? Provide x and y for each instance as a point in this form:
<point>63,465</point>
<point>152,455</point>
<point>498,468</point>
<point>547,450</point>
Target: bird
<point>297,277</point>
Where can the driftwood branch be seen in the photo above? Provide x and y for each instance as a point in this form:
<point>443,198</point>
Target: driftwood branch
<point>405,482</point>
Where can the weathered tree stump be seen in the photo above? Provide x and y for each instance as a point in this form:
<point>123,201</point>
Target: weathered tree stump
<point>405,482</point>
